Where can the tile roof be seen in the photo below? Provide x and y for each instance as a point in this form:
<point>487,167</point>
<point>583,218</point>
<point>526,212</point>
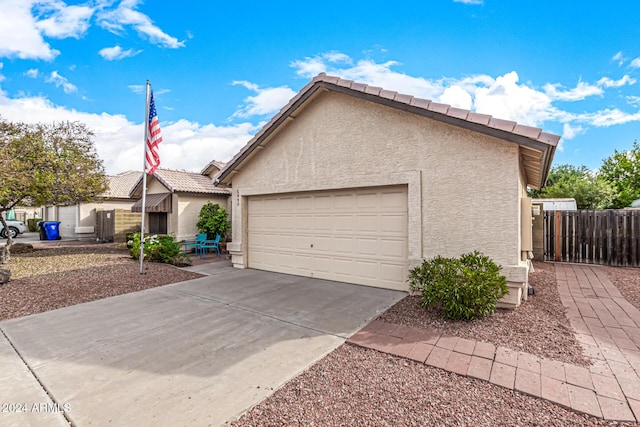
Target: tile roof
<point>121,185</point>
<point>178,181</point>
<point>213,165</point>
<point>538,146</point>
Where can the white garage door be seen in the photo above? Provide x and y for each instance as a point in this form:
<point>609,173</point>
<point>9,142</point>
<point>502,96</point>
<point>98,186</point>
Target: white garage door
<point>356,236</point>
<point>67,218</point>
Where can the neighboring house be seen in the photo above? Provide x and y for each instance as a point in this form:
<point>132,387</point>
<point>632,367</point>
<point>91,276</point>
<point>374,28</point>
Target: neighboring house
<point>358,184</point>
<point>79,220</point>
<point>567,204</point>
<point>174,199</point>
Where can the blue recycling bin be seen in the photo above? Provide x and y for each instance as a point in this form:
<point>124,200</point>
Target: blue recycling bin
<point>51,230</point>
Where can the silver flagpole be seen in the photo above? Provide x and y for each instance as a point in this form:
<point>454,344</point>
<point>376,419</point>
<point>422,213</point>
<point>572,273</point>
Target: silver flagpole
<point>144,174</point>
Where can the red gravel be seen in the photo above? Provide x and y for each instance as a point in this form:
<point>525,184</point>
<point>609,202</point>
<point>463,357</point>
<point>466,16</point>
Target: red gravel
<point>52,278</point>
<point>352,385</point>
<point>627,280</point>
<point>539,326</point>
<point>357,386</point>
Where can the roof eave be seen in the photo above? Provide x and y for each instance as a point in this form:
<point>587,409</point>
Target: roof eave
<point>546,143</point>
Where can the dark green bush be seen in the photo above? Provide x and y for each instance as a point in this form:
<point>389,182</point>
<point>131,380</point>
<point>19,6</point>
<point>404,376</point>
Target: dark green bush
<point>213,221</point>
<point>32,224</point>
<point>462,288</point>
<point>159,248</point>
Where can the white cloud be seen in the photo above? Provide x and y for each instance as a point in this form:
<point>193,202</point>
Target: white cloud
<point>570,132</point>
<point>61,21</point>
<point>19,36</point>
<point>633,100</point>
<point>370,72</point>
<point>469,1</point>
<point>625,80</point>
<point>119,142</point>
<point>619,58</point>
<point>506,98</point>
<point>116,53</point>
<point>456,97</point>
<point>635,63</point>
<point>127,15</point>
<point>607,117</point>
<point>580,92</point>
<point>32,73</point>
<point>266,101</point>
<point>137,88</point>
<point>59,80</point>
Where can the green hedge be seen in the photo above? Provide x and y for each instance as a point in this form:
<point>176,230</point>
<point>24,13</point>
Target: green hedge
<point>32,224</point>
<point>159,248</point>
<point>462,288</point>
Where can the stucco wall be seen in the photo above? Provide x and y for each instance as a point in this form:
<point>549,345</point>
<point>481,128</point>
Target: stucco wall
<point>188,207</point>
<point>464,188</point>
<point>88,210</point>
<point>154,186</point>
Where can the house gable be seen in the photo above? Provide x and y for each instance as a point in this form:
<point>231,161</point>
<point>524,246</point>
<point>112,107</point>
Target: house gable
<point>537,147</point>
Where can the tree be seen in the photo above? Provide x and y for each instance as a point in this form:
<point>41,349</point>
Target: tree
<point>622,169</point>
<point>47,165</point>
<point>591,190</point>
<point>213,220</point>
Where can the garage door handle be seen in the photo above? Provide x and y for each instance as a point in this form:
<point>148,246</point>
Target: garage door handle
<point>312,245</point>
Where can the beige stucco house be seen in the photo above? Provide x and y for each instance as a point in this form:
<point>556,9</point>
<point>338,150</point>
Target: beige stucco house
<point>79,220</point>
<point>358,184</point>
<point>174,199</point>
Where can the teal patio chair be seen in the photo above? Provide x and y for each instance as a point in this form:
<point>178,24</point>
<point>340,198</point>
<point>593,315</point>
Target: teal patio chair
<point>211,244</point>
<point>194,243</point>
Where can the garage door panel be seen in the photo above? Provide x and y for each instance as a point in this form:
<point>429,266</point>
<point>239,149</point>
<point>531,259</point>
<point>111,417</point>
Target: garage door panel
<point>392,200</point>
<point>343,245</point>
<point>367,247</point>
<point>323,244</point>
<point>323,203</point>
<point>367,223</point>
<point>394,224</point>
<point>302,262</point>
<point>342,267</point>
<point>366,269</point>
<point>322,222</point>
<point>343,202</point>
<point>303,243</point>
<point>355,235</point>
<point>392,273</point>
<point>285,242</point>
<point>393,248</point>
<point>343,223</point>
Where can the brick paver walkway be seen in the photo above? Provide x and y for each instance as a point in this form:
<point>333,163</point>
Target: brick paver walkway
<point>605,324</point>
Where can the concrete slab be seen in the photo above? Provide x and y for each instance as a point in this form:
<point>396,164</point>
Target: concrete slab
<point>195,353</point>
<point>23,401</point>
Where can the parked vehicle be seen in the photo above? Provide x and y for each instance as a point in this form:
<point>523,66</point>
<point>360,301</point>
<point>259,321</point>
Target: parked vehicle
<point>15,228</point>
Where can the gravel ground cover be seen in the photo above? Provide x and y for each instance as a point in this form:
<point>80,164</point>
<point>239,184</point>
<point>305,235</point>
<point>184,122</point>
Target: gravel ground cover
<point>356,386</point>
<point>352,385</point>
<point>538,326</point>
<point>46,279</point>
<point>627,280</point>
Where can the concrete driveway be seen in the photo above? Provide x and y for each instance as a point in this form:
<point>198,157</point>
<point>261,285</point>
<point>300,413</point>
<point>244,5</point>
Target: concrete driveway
<point>194,353</point>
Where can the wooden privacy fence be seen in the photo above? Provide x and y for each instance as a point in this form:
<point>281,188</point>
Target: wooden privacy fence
<point>610,237</point>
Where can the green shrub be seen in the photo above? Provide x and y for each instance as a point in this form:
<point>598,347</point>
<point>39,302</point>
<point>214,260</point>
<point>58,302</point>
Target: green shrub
<point>159,248</point>
<point>32,224</point>
<point>213,220</point>
<point>462,288</point>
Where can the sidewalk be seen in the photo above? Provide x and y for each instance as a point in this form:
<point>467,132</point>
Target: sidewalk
<point>606,325</point>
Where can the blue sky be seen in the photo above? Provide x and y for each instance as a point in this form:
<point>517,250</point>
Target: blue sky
<point>220,70</point>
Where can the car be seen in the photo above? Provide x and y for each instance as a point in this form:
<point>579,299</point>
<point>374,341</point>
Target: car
<point>15,228</point>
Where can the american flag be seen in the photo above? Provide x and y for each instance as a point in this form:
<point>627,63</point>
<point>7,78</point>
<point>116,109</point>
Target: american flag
<point>152,154</point>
